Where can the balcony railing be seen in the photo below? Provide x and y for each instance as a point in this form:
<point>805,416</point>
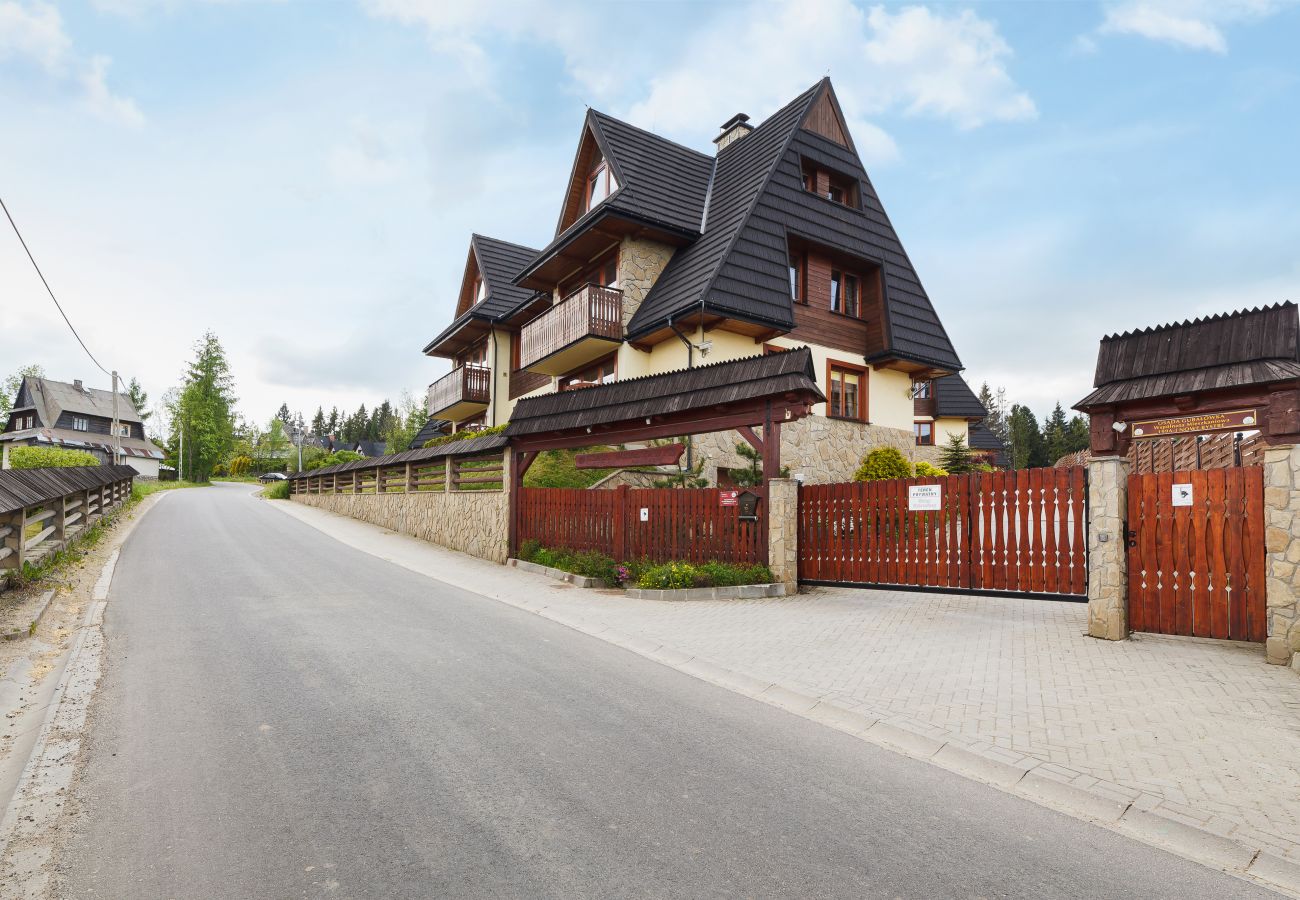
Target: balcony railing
<point>591,311</point>
<point>465,390</point>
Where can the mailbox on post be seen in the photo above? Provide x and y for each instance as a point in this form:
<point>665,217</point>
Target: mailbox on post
<point>747,504</point>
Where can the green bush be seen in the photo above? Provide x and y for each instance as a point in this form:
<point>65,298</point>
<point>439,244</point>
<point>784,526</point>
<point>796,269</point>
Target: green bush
<point>338,456</point>
<point>239,465</point>
<point>671,576</point>
<point>465,435</point>
<point>588,564</point>
<point>882,464</point>
<point>50,458</point>
<point>277,490</point>
<point>678,575</point>
<point>925,470</point>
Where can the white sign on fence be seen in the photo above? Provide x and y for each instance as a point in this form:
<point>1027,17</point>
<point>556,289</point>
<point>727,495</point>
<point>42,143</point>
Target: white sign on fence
<point>645,514</point>
<point>924,496</point>
<point>1182,495</point>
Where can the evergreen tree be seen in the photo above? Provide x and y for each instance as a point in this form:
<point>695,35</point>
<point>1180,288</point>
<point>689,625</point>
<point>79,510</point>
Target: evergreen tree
<point>956,458</point>
<point>332,426</point>
<point>205,409</point>
<point>284,415</point>
<point>995,405</point>
<point>1077,434</point>
<point>1056,435</point>
<point>1025,444</point>
<point>139,399</point>
<point>408,418</point>
<point>318,422</point>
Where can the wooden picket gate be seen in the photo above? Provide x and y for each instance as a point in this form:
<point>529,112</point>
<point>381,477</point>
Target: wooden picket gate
<point>1001,532</point>
<point>688,524</point>
<point>1197,568</point>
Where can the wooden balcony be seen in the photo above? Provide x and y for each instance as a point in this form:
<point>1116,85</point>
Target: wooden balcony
<point>581,328</point>
<point>461,393</point>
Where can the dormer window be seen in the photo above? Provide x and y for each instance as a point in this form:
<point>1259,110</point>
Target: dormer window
<point>480,290</point>
<point>797,265</point>
<point>830,185</point>
<point>80,424</point>
<point>844,293</point>
<point>600,183</point>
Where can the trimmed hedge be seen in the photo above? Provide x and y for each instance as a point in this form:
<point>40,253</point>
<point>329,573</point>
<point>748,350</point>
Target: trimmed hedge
<point>50,458</point>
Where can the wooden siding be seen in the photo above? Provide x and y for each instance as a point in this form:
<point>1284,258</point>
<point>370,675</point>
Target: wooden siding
<point>97,425</point>
<point>824,120</point>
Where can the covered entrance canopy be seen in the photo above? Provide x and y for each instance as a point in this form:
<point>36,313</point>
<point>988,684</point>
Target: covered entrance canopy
<point>758,391</point>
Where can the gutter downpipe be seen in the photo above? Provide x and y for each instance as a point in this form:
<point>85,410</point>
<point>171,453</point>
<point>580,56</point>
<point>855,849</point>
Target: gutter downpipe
<point>690,364</point>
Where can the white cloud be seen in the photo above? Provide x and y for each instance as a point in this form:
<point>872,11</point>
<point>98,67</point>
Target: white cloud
<point>34,32</point>
<point>102,101</point>
<point>914,61</point>
<point>1192,24</point>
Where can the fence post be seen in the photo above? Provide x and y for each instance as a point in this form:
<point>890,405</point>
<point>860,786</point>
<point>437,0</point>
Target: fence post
<point>620,523</point>
<point>84,521</point>
<point>379,479</point>
<point>61,519</point>
<point>448,473</point>
<point>783,532</point>
<point>1108,547</point>
<point>1281,536</point>
<point>13,541</point>
<point>407,489</point>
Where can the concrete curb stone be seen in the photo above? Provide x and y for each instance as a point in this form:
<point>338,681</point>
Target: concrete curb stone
<point>35,623</point>
<point>978,767</point>
<point>1276,870</point>
<point>1188,840</point>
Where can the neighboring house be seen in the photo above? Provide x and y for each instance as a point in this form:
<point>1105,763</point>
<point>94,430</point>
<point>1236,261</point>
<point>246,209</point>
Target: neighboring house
<point>665,258</point>
<point>943,407</point>
<point>988,447</point>
<point>432,429</point>
<point>58,414</point>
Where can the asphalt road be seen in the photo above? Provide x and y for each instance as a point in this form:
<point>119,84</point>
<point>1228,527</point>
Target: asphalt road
<point>284,716</point>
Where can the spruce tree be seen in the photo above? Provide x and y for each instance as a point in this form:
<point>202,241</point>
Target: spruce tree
<point>1056,435</point>
<point>955,457</point>
<point>205,409</point>
<point>139,399</point>
<point>318,422</point>
<point>1025,443</point>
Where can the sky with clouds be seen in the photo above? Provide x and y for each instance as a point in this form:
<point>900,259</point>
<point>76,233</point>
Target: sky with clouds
<point>303,177</point>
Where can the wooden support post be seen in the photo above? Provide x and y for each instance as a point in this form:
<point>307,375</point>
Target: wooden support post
<point>61,519</point>
<point>379,480</point>
<point>771,445</point>
<point>85,509</point>
<point>408,487</point>
<point>13,540</point>
<point>519,463</point>
<point>449,471</point>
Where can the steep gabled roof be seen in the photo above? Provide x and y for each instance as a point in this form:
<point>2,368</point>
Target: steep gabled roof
<point>980,438</point>
<point>53,398</point>
<point>1250,346</point>
<point>757,201</point>
<point>954,399</point>
<point>659,180</point>
<point>497,262</point>
<point>743,171</point>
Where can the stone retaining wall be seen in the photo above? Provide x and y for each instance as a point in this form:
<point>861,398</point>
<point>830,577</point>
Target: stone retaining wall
<point>1282,543</point>
<point>474,522</point>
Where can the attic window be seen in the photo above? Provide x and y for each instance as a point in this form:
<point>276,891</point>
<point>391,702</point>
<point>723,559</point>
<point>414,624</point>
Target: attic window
<point>830,185</point>
<point>600,183</point>
<point>480,290</point>
<point>80,424</point>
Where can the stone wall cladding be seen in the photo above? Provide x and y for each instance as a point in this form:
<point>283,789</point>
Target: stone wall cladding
<point>1282,544</point>
<point>783,532</point>
<point>1107,548</point>
<point>473,522</point>
<point>639,263</point>
<point>822,450</point>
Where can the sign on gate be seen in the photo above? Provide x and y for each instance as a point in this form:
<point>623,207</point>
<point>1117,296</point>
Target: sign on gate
<point>728,498</point>
<point>1182,495</point>
<point>924,497</point>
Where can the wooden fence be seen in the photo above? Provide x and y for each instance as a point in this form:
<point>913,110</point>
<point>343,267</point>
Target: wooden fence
<point>476,464</point>
<point>658,524</point>
<point>1006,532</point>
<point>42,509</point>
<point>1198,568</point>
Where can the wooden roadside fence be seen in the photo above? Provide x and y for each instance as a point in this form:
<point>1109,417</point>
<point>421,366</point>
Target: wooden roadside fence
<point>475,464</point>
<point>42,509</point>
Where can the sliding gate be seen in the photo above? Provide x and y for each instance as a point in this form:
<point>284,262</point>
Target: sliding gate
<point>1001,532</point>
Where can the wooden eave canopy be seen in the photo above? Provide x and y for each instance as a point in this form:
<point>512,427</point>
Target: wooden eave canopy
<point>587,240</point>
<point>460,336</point>
<point>778,387</point>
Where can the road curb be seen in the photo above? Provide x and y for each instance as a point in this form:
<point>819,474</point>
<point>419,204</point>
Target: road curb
<point>35,623</point>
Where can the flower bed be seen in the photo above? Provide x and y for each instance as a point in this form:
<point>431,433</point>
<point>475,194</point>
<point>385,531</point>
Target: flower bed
<point>644,575</point>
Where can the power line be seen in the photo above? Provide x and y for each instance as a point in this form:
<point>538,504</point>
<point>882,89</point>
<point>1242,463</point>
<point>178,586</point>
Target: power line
<point>49,290</point>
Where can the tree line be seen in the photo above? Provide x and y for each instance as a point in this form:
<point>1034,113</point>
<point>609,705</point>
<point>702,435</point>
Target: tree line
<point>1028,445</point>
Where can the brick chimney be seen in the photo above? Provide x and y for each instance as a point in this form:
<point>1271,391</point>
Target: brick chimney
<point>733,130</point>
<point>77,384</point>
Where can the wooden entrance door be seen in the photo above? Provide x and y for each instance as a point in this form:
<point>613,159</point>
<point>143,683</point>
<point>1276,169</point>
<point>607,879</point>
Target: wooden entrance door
<point>1196,553</point>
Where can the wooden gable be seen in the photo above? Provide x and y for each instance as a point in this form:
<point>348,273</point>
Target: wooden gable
<point>472,274</point>
<point>589,155</point>
<point>824,118</point>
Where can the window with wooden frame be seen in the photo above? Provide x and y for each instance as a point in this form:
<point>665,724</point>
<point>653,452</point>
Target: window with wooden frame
<point>601,182</point>
<point>798,277</point>
<point>80,424</point>
<point>604,273</point>
<point>924,433</point>
<point>600,372</point>
<point>480,290</point>
<point>830,185</point>
<point>846,293</point>
<point>476,355</point>
<point>921,390</point>
<point>846,391</point>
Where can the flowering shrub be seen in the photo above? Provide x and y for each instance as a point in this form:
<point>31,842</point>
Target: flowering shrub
<point>643,573</point>
<point>678,575</point>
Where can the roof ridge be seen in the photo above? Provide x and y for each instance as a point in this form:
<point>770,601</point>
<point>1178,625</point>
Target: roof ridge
<point>476,235</point>
<point>653,134</point>
<point>1200,320</point>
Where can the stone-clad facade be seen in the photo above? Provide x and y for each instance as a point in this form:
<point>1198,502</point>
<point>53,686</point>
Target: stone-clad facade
<point>822,450</point>
<point>1282,543</point>
<point>473,522</point>
<point>639,263</point>
<point>783,532</point>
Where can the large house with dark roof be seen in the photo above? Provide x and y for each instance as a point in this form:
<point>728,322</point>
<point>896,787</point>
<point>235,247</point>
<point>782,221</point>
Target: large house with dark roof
<point>76,417</point>
<point>667,258</point>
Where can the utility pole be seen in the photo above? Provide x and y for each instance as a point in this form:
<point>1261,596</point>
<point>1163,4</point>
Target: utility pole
<point>180,456</point>
<point>117,428</point>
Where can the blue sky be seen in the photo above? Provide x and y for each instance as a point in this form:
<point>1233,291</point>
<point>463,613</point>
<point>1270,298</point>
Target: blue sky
<point>303,177</point>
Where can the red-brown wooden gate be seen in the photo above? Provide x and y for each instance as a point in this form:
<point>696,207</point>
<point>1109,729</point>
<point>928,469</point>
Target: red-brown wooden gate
<point>1021,532</point>
<point>1197,568</point>
<point>688,524</point>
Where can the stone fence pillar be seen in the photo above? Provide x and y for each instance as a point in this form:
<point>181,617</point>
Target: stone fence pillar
<point>1282,544</point>
<point>783,532</point>
<point>1107,548</point>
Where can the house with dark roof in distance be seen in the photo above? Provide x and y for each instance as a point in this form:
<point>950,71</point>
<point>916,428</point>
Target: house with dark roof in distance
<point>73,416</point>
<point>666,258</point>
